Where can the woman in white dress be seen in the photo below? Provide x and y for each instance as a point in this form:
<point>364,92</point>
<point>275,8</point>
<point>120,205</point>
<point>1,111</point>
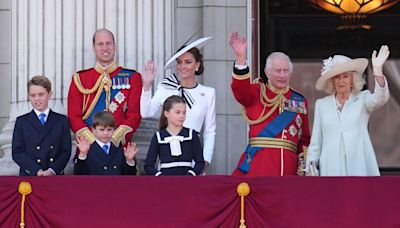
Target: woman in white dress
<point>340,143</point>
<point>200,99</point>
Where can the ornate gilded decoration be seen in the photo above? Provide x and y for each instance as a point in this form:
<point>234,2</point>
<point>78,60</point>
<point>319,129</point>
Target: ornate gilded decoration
<point>24,189</point>
<point>243,189</point>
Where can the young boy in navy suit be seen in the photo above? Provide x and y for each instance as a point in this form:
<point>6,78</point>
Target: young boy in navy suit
<point>41,143</point>
<point>102,157</point>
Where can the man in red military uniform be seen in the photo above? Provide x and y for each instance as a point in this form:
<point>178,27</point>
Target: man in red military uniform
<point>105,87</point>
<point>276,114</point>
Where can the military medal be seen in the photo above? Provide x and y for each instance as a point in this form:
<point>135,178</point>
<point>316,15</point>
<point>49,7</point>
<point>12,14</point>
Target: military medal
<point>118,83</point>
<point>292,130</point>
<point>113,107</point>
<point>120,97</point>
<point>114,86</point>
<point>127,85</point>
<point>299,121</point>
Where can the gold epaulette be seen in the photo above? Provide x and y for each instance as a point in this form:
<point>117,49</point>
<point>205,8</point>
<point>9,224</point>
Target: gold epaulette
<point>85,132</point>
<point>119,135</point>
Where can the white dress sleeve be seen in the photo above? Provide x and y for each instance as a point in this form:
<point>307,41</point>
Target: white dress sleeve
<point>209,129</point>
<point>380,96</point>
<point>150,106</point>
<point>314,149</point>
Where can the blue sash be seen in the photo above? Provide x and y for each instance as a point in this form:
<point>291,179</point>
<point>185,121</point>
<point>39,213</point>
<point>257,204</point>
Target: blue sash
<point>101,102</point>
<point>271,131</point>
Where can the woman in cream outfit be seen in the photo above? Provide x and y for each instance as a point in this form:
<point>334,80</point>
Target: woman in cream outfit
<point>340,142</point>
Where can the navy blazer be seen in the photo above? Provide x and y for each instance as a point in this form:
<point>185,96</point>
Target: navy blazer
<point>100,163</point>
<point>36,147</point>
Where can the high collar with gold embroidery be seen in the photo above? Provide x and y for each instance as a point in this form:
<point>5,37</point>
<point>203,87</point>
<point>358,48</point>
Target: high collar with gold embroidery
<point>110,68</point>
<point>276,90</point>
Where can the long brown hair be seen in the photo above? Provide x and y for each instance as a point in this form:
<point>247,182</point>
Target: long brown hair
<point>168,103</point>
<point>199,58</point>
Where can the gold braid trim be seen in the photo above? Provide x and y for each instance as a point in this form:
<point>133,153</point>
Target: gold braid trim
<point>110,68</point>
<point>79,85</point>
<point>24,189</point>
<point>85,132</point>
<point>119,135</point>
<point>241,77</point>
<point>266,142</point>
<point>274,103</point>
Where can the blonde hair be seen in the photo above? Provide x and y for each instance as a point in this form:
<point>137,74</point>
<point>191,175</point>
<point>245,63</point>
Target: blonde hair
<point>358,84</point>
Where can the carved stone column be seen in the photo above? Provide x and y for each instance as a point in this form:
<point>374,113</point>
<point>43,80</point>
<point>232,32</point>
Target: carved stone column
<point>54,38</point>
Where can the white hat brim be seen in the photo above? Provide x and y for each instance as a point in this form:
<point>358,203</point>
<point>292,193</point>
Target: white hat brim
<point>198,43</point>
<point>355,65</point>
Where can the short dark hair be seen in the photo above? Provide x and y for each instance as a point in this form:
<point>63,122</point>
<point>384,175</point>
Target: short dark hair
<point>103,30</point>
<point>104,119</point>
<point>40,80</point>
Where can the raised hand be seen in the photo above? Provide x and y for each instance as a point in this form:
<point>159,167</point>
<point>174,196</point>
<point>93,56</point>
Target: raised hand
<point>83,145</point>
<point>379,60</point>
<point>239,46</point>
<point>148,74</point>
<point>130,151</point>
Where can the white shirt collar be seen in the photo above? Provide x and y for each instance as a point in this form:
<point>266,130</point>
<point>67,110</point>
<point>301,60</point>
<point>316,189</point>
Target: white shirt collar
<point>37,112</point>
<point>101,144</point>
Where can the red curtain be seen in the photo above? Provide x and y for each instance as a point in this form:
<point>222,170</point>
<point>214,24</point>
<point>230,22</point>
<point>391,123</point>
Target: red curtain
<point>204,201</point>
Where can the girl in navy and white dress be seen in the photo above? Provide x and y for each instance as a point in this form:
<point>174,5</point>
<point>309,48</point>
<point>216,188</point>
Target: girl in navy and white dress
<point>174,145</point>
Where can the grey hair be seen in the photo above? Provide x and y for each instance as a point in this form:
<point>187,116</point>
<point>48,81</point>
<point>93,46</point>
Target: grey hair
<point>278,55</point>
<point>358,84</point>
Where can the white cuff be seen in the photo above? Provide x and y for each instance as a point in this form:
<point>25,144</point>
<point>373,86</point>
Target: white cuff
<point>131,163</point>
<point>82,157</point>
<point>158,174</point>
<point>241,67</point>
<point>192,172</point>
<point>52,170</point>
